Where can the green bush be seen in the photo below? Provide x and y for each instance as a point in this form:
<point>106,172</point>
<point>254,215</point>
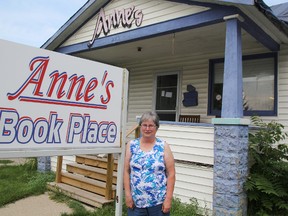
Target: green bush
<point>266,186</point>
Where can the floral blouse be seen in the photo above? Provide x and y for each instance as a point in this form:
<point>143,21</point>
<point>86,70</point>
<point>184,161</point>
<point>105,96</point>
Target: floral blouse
<point>147,178</point>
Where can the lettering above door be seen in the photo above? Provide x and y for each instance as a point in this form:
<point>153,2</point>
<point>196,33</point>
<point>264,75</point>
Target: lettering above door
<point>125,17</point>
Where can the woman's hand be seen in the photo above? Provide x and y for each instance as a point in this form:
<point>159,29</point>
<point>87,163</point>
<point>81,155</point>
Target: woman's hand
<point>129,201</point>
<point>166,205</point>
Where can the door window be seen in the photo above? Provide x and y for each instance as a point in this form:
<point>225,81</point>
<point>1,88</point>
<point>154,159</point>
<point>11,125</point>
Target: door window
<point>166,96</point>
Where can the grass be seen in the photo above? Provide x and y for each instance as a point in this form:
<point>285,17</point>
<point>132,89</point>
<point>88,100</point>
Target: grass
<point>5,162</point>
<point>178,208</point>
<point>20,181</point>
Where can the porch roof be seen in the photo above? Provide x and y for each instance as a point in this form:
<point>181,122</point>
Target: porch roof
<point>275,14</point>
<point>270,32</point>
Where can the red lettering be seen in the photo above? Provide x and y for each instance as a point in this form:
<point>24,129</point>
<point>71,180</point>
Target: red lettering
<point>105,101</point>
<point>60,86</point>
<point>37,70</point>
<point>91,85</point>
<point>56,77</point>
<point>74,81</point>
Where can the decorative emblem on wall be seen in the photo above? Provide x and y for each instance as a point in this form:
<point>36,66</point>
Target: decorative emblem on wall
<point>190,97</point>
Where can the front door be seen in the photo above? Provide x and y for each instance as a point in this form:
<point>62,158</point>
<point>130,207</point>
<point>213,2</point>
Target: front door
<point>166,100</point>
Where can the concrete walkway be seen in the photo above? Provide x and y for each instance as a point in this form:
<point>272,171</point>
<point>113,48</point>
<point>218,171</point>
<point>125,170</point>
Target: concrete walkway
<point>40,205</point>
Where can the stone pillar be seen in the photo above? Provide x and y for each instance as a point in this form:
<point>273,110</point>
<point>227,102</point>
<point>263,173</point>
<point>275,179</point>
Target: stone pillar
<point>231,132</point>
<point>44,164</point>
<point>230,167</point>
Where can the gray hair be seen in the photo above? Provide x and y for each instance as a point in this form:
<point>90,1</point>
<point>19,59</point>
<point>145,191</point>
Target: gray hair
<point>150,116</point>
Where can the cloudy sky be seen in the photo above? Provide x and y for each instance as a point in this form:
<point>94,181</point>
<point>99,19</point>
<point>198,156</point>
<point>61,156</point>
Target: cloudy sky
<point>32,22</point>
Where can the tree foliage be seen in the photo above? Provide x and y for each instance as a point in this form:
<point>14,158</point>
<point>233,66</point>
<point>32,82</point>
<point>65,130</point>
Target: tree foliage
<point>266,186</point>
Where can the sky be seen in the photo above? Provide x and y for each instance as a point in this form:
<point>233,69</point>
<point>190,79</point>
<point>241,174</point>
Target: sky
<point>33,22</point>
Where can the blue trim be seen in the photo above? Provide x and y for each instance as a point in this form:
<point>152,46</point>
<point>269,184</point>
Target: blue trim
<point>252,28</point>
<point>180,24</point>
<point>212,62</point>
<point>232,102</point>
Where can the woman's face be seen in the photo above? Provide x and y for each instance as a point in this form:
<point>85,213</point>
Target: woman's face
<point>148,129</point>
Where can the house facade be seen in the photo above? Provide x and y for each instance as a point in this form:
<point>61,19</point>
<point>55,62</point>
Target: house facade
<point>214,58</point>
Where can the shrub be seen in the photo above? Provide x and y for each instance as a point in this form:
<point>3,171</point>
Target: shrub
<point>266,186</point>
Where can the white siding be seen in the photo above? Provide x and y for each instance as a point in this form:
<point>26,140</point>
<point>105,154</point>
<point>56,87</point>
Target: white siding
<point>194,181</point>
<point>189,143</point>
<point>283,87</point>
<point>154,11</point>
<point>193,144</point>
<point>66,160</point>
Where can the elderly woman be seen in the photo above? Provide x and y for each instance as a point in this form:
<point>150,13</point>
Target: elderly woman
<point>149,172</point>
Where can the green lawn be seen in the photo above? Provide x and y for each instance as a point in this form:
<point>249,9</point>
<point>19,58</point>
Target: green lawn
<point>20,181</point>
<point>6,162</point>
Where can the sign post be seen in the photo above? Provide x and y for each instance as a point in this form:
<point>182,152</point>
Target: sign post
<point>53,104</point>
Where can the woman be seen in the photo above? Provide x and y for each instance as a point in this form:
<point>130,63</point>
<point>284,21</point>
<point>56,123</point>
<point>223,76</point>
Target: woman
<point>149,171</point>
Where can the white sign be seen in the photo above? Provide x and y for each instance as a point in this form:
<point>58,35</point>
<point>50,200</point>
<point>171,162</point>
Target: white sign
<point>54,101</point>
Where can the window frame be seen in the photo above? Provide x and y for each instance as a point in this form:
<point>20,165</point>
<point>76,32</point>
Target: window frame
<point>217,113</point>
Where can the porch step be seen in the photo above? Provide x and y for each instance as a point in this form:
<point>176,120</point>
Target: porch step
<point>86,179</point>
<point>79,194</point>
<point>95,161</point>
<point>90,171</point>
<point>85,183</point>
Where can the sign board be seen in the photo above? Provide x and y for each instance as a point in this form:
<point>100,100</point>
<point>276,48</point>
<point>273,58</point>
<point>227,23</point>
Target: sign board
<point>56,104</point>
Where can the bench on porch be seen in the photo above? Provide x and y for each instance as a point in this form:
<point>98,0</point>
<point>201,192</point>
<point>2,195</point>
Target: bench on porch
<point>189,118</point>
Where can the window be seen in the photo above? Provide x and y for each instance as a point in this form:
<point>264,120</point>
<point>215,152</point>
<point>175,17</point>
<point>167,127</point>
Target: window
<point>259,85</point>
<point>166,99</point>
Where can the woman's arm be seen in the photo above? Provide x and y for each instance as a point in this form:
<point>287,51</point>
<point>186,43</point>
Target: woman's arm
<point>170,172</point>
<point>128,195</point>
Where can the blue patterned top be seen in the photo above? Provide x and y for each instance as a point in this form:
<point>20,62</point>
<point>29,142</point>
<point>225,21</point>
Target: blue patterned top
<point>147,178</point>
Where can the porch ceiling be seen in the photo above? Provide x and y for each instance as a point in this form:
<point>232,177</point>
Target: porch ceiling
<point>206,39</point>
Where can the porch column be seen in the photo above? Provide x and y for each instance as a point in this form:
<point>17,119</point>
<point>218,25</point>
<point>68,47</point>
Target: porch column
<point>231,132</point>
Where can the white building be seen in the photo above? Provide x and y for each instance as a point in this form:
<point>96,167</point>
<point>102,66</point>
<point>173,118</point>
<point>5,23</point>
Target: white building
<point>167,46</point>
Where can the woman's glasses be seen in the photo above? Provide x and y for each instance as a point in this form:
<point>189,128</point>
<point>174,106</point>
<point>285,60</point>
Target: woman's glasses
<point>148,126</point>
